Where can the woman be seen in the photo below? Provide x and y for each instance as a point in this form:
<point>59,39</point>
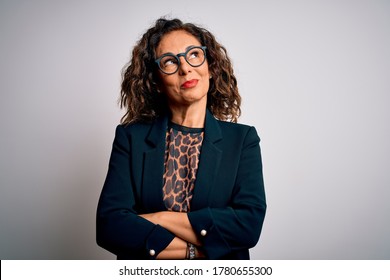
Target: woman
<point>182,182</point>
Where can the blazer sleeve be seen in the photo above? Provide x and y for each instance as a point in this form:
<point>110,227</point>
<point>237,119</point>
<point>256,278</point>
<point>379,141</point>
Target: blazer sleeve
<point>118,227</point>
<point>238,226</point>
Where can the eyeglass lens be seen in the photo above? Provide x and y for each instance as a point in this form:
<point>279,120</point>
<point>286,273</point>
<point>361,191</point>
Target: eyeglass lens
<point>194,57</point>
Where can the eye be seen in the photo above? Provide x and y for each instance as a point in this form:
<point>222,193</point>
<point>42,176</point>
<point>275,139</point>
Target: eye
<point>193,54</point>
<point>168,61</point>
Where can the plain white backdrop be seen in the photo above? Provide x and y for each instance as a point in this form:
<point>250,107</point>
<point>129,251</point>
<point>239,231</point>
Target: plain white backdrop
<point>315,81</point>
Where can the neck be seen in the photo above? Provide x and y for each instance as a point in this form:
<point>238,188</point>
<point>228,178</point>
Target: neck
<point>189,116</point>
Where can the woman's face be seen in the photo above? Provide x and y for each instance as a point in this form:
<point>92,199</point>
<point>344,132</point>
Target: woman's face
<point>189,85</point>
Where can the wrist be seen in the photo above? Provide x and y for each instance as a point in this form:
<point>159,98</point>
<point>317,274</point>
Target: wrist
<point>191,251</point>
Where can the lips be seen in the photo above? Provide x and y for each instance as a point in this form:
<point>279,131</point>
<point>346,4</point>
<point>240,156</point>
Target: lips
<point>190,84</point>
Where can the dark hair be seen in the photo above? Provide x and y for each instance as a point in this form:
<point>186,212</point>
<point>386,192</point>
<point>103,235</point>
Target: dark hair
<point>139,94</point>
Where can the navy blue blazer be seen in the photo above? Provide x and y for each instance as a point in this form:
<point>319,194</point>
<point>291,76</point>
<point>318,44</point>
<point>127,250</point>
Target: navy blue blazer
<point>228,200</point>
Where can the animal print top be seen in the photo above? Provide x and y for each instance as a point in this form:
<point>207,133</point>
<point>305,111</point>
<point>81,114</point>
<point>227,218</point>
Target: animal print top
<point>183,145</point>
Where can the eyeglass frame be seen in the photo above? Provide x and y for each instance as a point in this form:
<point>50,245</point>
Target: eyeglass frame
<point>183,54</point>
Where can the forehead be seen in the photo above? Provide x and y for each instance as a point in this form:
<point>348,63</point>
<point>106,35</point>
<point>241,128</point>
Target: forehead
<point>176,42</point>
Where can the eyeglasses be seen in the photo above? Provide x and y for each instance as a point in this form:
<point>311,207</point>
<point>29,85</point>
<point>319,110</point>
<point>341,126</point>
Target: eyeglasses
<point>169,63</point>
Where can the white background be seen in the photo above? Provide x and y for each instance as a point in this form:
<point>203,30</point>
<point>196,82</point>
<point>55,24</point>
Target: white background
<point>314,78</point>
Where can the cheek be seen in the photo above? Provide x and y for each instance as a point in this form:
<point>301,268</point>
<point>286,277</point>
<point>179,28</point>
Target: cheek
<point>206,72</point>
<point>166,82</point>
<point>207,86</point>
<point>206,76</point>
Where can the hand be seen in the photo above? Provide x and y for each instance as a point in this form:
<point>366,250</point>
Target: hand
<point>198,253</point>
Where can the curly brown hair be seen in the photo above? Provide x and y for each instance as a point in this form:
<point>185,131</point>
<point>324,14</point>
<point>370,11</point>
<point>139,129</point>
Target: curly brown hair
<point>139,93</point>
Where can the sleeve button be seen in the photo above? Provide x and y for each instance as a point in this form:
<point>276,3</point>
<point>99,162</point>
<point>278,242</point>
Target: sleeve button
<point>203,232</point>
<point>152,252</point>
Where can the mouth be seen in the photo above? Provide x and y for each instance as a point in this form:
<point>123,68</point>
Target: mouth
<point>190,84</point>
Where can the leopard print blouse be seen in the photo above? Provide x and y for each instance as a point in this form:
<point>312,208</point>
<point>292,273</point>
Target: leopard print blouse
<point>183,145</point>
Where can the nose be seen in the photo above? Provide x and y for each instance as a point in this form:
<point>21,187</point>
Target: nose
<point>184,67</point>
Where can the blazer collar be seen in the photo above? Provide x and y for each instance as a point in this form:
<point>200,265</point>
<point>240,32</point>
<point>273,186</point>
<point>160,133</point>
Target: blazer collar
<point>158,130</point>
<point>213,131</point>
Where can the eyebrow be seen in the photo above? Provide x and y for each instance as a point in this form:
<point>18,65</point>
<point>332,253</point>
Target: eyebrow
<point>187,48</point>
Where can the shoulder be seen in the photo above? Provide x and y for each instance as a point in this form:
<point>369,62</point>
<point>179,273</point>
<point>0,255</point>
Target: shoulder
<point>233,126</point>
<point>132,128</point>
<point>239,130</point>
<point>140,132</point>
<point>124,133</point>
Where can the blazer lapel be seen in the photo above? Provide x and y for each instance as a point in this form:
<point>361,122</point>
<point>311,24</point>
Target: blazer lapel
<point>153,169</point>
<point>209,162</point>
